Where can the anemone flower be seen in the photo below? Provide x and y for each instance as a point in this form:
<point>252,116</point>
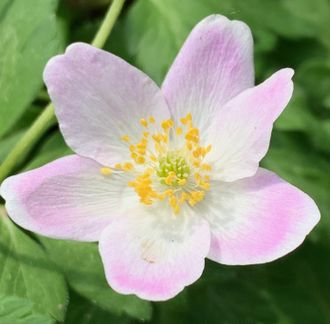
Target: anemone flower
<point>165,177</point>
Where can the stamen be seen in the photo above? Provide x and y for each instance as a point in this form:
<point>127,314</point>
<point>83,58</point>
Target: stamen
<point>106,171</point>
<point>127,166</point>
<point>178,176</point>
<point>125,138</point>
<point>178,131</point>
<point>140,160</point>
<point>143,122</point>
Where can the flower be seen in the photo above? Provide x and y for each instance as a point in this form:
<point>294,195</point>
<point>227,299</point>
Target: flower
<point>164,178</point>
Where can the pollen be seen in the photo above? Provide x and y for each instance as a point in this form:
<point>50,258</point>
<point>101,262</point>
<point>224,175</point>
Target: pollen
<point>128,166</point>
<point>179,131</point>
<point>125,138</point>
<point>143,122</point>
<point>106,171</point>
<point>164,171</point>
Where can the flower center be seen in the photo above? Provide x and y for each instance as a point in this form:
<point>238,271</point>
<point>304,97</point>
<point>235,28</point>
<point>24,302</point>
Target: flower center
<point>173,169</point>
<point>167,163</point>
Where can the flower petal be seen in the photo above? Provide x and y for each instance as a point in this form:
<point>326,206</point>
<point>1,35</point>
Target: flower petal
<point>241,132</point>
<point>98,98</point>
<point>258,219</point>
<point>153,254</point>
<point>68,198</point>
<point>214,65</point>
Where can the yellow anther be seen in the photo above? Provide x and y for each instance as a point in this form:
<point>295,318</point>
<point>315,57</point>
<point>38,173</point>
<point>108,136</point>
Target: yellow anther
<point>197,153</point>
<point>186,119</point>
<point>132,148</point>
<point>172,201</point>
<point>178,131</point>
<point>127,166</point>
<point>146,201</point>
<point>157,137</point>
<point>118,166</point>
<point>206,167</point>
<point>167,124</point>
<point>169,180</point>
<point>153,158</point>
<point>149,171</point>
<point>195,197</point>
<point>125,138</point>
<point>164,138</point>
<point>106,171</point>
<point>189,146</point>
<point>184,196</point>
<point>152,120</point>
<point>164,124</point>
<point>168,192</point>
<point>206,178</point>
<point>140,160</point>
<point>141,151</point>
<point>197,177</point>
<point>208,148</point>
<point>193,131</point>
<point>205,185</point>
<point>161,197</point>
<point>176,209</point>
<point>134,155</point>
<point>182,182</point>
<point>197,164</point>
<point>189,117</point>
<point>141,145</point>
<point>143,122</point>
<point>145,134</point>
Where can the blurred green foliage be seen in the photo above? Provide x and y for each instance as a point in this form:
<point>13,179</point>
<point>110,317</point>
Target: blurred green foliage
<point>295,289</point>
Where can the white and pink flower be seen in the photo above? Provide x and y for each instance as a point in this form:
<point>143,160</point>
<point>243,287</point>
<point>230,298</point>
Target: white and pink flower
<point>166,177</point>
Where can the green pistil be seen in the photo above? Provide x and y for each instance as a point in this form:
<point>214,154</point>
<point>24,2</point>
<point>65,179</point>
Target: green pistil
<point>173,163</point>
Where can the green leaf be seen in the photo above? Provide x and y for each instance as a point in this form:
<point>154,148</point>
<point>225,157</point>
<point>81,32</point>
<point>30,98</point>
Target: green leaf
<point>297,116</point>
<point>82,311</point>
<point>220,296</point>
<point>15,310</point>
<point>285,18</point>
<point>315,14</point>
<point>294,289</point>
<point>53,147</point>
<point>298,285</point>
<point>26,272</point>
<point>82,266</point>
<point>7,143</point>
<point>28,38</point>
<point>155,31</point>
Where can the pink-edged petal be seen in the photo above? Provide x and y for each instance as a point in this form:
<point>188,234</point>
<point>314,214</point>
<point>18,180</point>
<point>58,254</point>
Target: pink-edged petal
<point>214,65</point>
<point>241,132</point>
<point>258,219</point>
<point>153,254</point>
<point>98,98</point>
<point>68,198</point>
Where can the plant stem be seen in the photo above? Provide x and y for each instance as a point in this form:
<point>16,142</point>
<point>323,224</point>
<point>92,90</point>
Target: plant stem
<point>108,23</point>
<point>41,124</point>
<point>44,121</point>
